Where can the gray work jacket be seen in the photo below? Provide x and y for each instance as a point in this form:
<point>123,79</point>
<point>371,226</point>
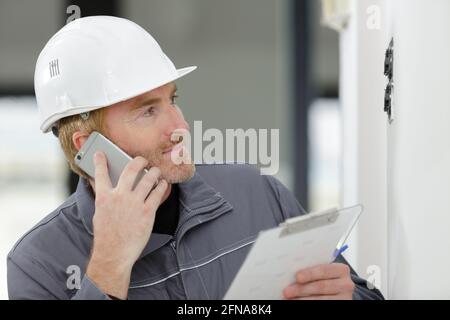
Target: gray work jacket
<point>222,210</point>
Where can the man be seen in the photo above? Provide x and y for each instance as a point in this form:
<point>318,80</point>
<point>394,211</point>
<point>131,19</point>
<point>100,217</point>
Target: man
<point>184,230</point>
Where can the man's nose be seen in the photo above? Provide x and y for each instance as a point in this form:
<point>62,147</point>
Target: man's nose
<point>175,121</point>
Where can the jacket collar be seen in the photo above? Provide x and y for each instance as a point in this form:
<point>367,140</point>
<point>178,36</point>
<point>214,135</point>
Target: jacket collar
<point>196,197</point>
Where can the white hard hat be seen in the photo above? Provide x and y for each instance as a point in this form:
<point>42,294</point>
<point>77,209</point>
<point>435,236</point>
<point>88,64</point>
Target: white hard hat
<point>97,61</point>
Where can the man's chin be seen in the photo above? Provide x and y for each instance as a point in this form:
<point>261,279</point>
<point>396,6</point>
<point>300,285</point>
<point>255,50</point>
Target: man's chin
<point>178,173</point>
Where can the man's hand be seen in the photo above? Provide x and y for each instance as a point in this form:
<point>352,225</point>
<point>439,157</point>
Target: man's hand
<point>324,282</point>
<point>123,222</point>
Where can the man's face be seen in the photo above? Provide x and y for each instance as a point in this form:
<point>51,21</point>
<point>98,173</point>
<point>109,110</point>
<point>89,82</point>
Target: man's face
<point>144,126</point>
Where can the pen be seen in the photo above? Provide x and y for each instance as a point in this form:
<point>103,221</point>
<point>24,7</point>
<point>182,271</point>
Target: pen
<point>337,252</point>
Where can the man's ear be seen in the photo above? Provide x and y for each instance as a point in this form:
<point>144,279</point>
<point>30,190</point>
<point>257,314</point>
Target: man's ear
<point>79,138</point>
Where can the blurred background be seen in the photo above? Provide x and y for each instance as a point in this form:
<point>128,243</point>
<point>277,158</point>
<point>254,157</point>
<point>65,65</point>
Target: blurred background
<point>263,64</point>
<point>362,107</point>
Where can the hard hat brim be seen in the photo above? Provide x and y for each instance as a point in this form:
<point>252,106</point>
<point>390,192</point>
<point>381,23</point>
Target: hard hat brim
<point>48,123</point>
<point>184,71</point>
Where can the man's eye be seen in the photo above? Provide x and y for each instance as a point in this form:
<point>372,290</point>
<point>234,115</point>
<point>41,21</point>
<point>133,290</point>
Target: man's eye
<point>174,98</point>
<point>149,112</point>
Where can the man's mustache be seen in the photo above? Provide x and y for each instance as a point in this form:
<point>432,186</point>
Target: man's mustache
<point>171,144</point>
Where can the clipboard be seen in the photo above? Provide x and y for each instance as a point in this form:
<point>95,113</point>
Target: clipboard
<point>297,243</point>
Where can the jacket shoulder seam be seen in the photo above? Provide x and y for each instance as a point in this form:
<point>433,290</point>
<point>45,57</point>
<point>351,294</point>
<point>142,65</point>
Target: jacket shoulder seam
<point>41,225</point>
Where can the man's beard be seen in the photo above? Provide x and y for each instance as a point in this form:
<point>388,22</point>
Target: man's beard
<point>170,171</point>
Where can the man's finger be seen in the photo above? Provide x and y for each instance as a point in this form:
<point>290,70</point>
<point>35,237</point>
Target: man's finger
<point>154,199</point>
<point>322,272</point>
<point>319,288</point>
<point>148,181</point>
<point>102,180</point>
<point>331,297</point>
<point>130,173</point>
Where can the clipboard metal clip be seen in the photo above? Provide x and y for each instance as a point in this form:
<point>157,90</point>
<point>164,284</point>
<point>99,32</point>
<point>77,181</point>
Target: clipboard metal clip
<point>309,221</point>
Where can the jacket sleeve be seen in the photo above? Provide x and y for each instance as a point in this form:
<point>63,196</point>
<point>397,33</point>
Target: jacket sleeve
<point>287,203</point>
<point>89,291</point>
<point>362,290</point>
<point>290,207</point>
<point>22,286</point>
<point>27,281</point>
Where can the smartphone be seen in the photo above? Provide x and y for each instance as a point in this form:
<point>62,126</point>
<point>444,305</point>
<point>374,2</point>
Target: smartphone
<point>116,157</point>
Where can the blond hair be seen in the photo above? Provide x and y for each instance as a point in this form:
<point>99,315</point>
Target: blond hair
<point>69,125</point>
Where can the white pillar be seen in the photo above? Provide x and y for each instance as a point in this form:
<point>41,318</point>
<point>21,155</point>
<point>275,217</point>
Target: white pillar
<point>364,135</point>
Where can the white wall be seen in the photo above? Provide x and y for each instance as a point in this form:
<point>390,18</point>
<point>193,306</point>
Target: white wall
<point>399,171</point>
<point>419,152</point>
